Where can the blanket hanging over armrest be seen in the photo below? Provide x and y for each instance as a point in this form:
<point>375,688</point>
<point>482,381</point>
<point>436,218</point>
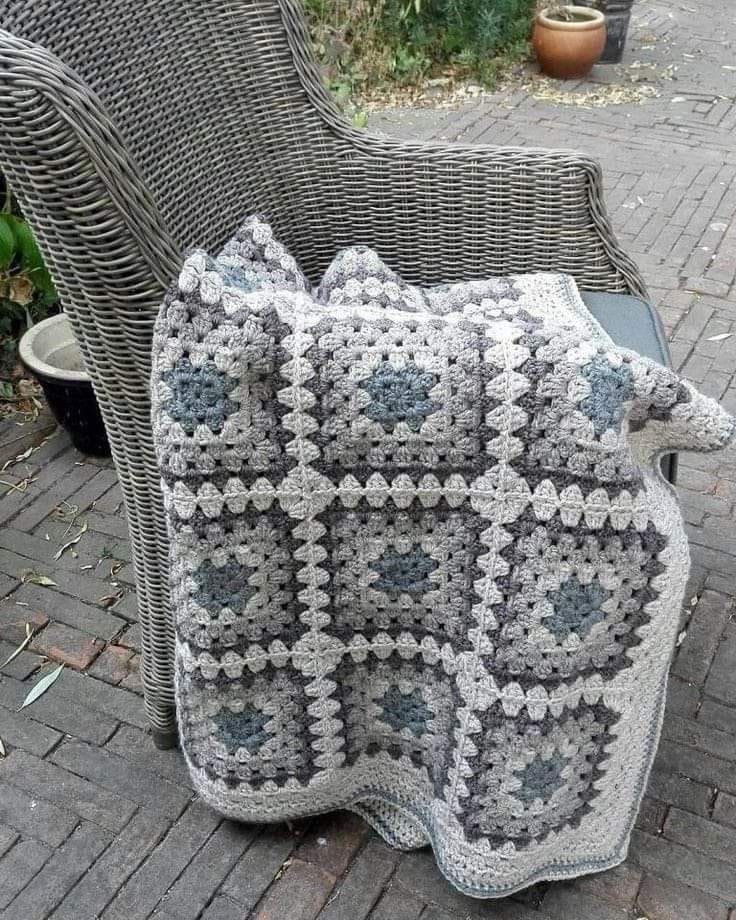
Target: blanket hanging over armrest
<point>423,563</point>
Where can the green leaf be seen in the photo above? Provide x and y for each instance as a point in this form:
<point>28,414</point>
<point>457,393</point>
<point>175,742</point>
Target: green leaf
<point>6,389</point>
<point>41,686</point>
<point>43,283</point>
<point>7,241</point>
<point>30,255</point>
<point>342,93</point>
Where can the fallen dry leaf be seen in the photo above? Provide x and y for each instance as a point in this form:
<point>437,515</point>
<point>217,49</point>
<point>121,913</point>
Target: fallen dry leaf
<point>60,552</point>
<point>109,599</point>
<point>547,90</point>
<point>24,456</point>
<point>21,486</point>
<point>41,686</point>
<point>33,578</point>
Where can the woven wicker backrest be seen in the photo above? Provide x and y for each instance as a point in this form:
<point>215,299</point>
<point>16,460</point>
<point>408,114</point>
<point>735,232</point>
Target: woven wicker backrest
<point>222,113</point>
<point>204,94</point>
<point>133,129</point>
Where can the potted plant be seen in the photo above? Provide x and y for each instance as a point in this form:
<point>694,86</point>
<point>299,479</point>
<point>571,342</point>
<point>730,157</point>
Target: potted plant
<point>617,14</point>
<point>51,353</point>
<point>27,293</point>
<point>47,347</point>
<point>568,39</point>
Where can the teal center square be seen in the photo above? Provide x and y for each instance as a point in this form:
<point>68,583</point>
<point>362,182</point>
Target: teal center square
<point>223,586</point>
<point>576,607</point>
<point>399,394</point>
<point>392,396</point>
<point>405,573</point>
<point>610,387</point>
<point>199,396</point>
<point>396,570</point>
<point>405,710</point>
<point>540,778</point>
<point>244,729</point>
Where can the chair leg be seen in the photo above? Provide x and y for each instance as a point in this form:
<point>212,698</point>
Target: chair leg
<point>669,468</point>
<point>149,540</point>
<point>161,717</point>
<point>165,741</point>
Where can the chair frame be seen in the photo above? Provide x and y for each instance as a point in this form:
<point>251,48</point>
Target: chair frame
<point>86,130</point>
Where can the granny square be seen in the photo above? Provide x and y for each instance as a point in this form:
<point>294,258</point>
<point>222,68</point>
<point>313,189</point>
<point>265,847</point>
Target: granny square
<point>423,562</point>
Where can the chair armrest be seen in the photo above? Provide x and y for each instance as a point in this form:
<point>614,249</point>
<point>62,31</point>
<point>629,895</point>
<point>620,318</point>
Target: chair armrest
<point>59,146</point>
<point>473,211</point>
<point>95,222</point>
<point>442,212</point>
<point>110,257</point>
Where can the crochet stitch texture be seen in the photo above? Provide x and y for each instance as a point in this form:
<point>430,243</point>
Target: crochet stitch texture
<point>423,565</point>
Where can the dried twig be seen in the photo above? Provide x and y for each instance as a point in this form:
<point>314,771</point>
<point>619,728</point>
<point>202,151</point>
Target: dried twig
<point>30,633</point>
<point>60,552</point>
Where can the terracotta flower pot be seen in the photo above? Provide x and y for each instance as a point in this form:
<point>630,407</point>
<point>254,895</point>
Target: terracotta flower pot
<point>567,49</point>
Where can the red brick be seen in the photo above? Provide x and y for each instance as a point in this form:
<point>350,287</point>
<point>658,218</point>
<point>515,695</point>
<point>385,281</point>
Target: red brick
<point>332,842</point>
<point>299,894</point>
<point>68,645</point>
<point>113,665</point>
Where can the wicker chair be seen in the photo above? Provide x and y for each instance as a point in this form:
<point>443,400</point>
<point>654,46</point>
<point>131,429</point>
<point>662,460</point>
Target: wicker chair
<point>132,131</point>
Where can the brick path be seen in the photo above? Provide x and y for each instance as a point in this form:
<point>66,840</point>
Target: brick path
<point>95,823</point>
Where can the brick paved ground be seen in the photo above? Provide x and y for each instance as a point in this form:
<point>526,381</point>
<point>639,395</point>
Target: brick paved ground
<point>94,822</point>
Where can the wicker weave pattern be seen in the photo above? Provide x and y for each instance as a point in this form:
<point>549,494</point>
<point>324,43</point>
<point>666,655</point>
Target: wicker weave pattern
<point>130,132</point>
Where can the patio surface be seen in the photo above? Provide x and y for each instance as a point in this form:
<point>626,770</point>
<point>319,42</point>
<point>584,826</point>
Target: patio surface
<point>95,823</point>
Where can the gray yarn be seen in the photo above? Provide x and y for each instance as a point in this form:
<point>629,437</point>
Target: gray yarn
<point>421,565</point>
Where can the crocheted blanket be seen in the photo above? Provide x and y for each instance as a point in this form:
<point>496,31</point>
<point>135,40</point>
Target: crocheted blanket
<point>423,564</point>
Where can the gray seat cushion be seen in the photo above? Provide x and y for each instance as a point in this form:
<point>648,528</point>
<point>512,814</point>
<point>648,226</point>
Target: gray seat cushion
<point>631,323</point>
<point>634,324</point>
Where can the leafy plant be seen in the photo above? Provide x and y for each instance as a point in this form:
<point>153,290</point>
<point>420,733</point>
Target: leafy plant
<point>27,293</point>
<point>368,43</point>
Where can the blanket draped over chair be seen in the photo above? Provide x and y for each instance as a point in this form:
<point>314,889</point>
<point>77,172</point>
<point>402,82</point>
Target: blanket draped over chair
<point>423,563</point>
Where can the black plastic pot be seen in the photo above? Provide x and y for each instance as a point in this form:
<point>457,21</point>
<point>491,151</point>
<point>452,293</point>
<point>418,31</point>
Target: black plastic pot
<point>618,14</point>
<point>51,354</point>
